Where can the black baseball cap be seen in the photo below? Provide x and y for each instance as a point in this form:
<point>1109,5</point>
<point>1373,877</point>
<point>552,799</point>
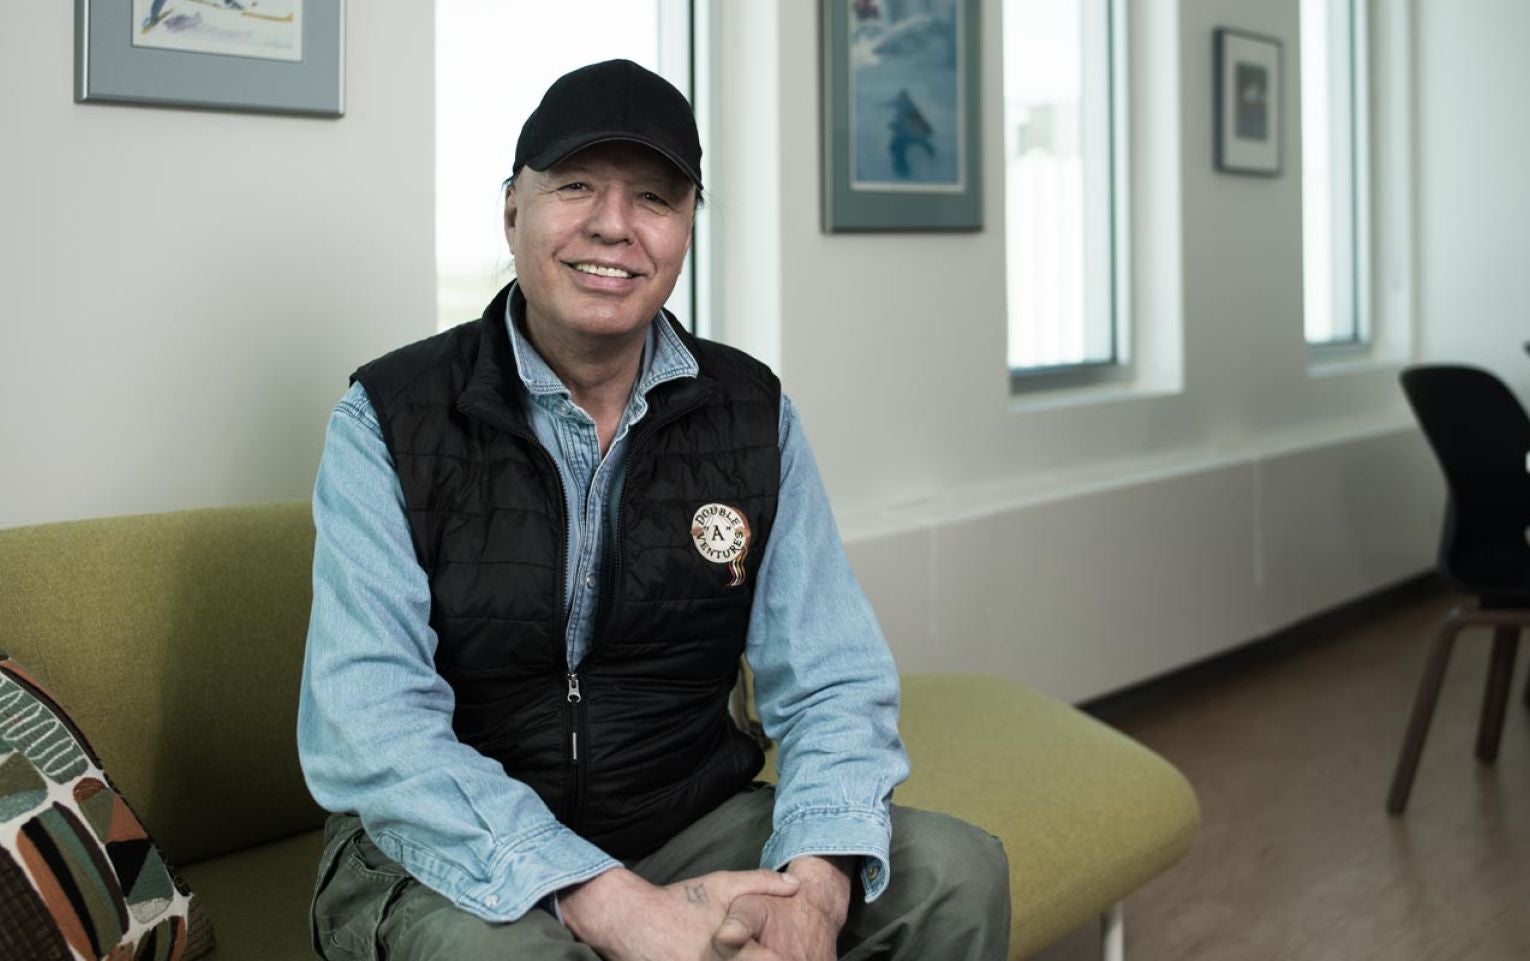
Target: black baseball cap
<point>613,100</point>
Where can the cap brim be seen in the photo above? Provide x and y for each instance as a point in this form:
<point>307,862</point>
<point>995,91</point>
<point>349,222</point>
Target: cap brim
<point>561,151</point>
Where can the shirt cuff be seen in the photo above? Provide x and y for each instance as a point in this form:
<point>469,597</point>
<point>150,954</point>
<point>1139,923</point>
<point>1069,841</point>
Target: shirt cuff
<point>550,905</point>
<point>867,833</point>
<point>520,877</point>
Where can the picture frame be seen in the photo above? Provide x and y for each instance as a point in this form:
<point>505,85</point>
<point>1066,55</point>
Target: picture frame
<point>902,115</point>
<point>1248,113</point>
<point>265,56</point>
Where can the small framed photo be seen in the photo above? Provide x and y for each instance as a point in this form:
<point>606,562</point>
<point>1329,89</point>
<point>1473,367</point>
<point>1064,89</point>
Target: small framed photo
<point>1248,110</point>
<point>270,56</point>
<point>901,115</point>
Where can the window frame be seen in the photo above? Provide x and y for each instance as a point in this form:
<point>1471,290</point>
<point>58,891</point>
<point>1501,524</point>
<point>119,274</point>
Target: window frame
<point>678,56</point>
<point>1118,368</point>
<point>1359,134</point>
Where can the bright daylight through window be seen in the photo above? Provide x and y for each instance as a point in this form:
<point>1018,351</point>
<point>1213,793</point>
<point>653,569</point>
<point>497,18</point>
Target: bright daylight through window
<point>1334,185</point>
<point>1059,178</point>
<point>489,77</point>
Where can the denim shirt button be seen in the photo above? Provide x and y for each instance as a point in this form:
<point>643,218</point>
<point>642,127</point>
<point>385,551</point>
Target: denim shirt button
<point>492,901</point>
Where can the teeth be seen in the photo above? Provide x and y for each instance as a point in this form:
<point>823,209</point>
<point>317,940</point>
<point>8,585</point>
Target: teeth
<point>600,271</point>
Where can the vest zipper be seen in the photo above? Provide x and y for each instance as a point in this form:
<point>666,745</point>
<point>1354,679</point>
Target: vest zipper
<point>574,795</point>
<point>577,745</point>
<point>571,795</point>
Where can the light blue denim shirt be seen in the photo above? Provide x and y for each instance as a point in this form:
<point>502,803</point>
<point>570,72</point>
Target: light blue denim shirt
<point>374,717</point>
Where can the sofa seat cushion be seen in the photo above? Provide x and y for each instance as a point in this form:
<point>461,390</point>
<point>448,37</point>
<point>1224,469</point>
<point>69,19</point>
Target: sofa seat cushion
<point>258,899</point>
<point>1086,814</point>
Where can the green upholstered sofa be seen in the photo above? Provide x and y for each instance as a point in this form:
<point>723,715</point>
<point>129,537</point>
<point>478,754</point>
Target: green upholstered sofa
<point>175,640</point>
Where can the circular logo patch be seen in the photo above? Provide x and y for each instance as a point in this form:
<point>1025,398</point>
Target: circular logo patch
<point>721,534</point>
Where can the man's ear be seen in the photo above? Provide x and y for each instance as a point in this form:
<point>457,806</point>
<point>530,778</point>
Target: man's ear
<point>512,211</point>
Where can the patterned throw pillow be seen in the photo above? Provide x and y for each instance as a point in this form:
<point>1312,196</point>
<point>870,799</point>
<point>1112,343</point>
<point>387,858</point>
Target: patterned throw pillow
<point>80,880</point>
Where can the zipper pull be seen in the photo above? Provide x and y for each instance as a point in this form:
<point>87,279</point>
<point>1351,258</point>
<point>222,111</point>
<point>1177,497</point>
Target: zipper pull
<point>574,697</point>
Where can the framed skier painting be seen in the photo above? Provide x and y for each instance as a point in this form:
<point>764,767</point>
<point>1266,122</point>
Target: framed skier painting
<point>901,115</point>
<point>271,56</point>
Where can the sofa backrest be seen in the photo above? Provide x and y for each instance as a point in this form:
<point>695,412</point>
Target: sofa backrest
<point>175,641</point>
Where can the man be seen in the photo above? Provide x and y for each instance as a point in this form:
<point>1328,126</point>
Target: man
<point>544,540</point>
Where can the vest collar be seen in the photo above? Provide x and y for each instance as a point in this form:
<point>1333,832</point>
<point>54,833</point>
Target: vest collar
<point>674,380</point>
<point>665,355</point>
<point>491,394</point>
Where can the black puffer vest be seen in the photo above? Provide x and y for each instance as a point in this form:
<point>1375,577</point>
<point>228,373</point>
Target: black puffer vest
<point>639,744</point>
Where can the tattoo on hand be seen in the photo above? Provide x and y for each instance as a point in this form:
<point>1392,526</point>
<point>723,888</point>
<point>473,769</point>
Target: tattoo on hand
<point>696,894</point>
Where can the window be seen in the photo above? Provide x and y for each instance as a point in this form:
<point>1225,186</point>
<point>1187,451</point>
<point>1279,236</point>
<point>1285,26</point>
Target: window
<point>1335,198</point>
<point>1062,176</point>
<point>489,77</point>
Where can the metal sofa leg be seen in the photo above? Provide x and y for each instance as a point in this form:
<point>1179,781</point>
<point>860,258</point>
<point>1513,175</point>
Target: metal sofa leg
<point>1113,933</point>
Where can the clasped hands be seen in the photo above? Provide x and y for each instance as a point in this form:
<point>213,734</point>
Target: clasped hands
<point>744,915</point>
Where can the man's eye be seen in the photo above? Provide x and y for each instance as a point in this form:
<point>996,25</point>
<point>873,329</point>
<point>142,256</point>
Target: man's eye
<point>654,198</point>
<point>576,185</point>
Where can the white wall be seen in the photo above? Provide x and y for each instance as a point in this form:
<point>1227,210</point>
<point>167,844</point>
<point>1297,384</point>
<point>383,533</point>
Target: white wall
<point>1474,195</point>
<point>1083,546</point>
<point>182,294</point>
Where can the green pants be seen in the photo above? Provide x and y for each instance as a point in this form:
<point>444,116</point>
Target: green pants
<point>948,898</point>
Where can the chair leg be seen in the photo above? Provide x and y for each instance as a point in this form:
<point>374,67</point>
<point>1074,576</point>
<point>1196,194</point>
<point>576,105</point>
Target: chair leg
<point>1495,698</point>
<point>1113,933</point>
<point>1423,713</point>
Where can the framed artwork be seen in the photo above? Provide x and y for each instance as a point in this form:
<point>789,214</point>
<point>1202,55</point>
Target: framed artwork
<point>270,56</point>
<point>901,115</point>
<point>1248,113</point>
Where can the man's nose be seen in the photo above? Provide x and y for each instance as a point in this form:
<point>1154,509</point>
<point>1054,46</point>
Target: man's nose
<point>611,218</point>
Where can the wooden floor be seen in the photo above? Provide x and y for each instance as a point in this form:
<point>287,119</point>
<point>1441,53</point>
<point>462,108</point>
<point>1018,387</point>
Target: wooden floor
<point>1291,749</point>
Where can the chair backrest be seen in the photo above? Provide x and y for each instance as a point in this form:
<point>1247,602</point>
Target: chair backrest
<point>1481,437</point>
<point>175,641</point>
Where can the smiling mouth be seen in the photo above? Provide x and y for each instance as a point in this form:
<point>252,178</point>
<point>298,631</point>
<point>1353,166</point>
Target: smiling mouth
<point>600,271</point>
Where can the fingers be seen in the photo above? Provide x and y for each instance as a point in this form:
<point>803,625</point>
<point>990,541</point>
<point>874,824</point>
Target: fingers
<point>747,914</point>
<point>746,919</point>
<point>731,937</point>
<point>757,952</point>
<point>735,884</point>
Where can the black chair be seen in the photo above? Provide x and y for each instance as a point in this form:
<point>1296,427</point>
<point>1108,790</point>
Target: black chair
<point>1481,437</point>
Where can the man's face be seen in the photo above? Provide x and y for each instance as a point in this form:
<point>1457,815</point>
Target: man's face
<point>599,239</point>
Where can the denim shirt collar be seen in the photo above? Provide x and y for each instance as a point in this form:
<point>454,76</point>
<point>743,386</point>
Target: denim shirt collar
<point>665,356</point>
